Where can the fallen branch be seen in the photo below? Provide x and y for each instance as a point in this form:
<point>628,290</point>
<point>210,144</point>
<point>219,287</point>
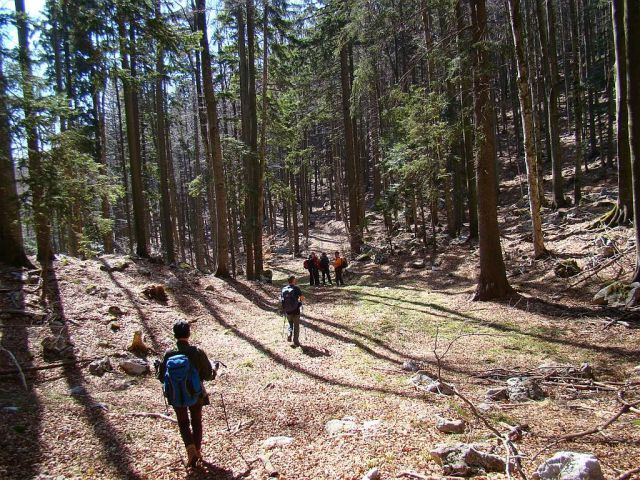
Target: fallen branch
<point>18,368</point>
<point>598,269</point>
<point>48,367</point>
<point>626,407</point>
<point>160,416</point>
<point>409,474</point>
<point>511,450</point>
<point>272,472</point>
<point>628,475</point>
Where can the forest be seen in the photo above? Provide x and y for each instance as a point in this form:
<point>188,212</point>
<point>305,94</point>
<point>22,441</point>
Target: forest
<point>474,165</point>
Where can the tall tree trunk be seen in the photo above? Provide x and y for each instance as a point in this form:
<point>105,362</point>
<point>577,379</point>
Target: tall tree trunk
<point>576,60</point>
<point>526,108</point>
<point>355,228</point>
<point>467,132</point>
<point>162,134</point>
<point>216,163</point>
<point>257,218</point>
<point>624,207</point>
<point>632,42</point>
<point>11,242</point>
<point>262,159</point>
<point>374,135</point>
<point>36,174</point>
<point>132,115</point>
<point>245,137</point>
<point>546,25</point>
<point>492,280</point>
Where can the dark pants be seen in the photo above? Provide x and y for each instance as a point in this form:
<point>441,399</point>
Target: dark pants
<point>294,327</point>
<point>190,433</point>
<point>326,274</point>
<point>339,280</point>
<point>314,276</point>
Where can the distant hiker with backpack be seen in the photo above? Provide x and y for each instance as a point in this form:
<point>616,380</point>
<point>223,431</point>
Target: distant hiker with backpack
<point>339,264</point>
<point>315,269</point>
<point>325,263</point>
<point>182,372</point>
<point>308,265</point>
<point>291,299</point>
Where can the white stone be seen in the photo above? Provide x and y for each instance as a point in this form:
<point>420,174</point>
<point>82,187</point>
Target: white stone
<point>570,466</point>
<point>373,474</point>
<point>274,442</point>
<point>371,424</point>
<point>446,425</point>
<point>134,366</point>
<point>333,427</point>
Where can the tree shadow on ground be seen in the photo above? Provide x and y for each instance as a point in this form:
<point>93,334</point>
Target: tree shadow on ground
<point>25,424</point>
<point>530,305</point>
<point>213,310</point>
<point>144,320</point>
<point>209,471</point>
<point>114,445</point>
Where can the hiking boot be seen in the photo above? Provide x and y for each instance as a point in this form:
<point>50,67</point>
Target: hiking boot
<point>289,338</point>
<point>192,456</point>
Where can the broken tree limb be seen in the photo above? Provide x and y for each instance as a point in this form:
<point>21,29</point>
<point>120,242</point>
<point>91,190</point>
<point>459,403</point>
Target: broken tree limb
<point>626,407</point>
<point>629,474</point>
<point>48,367</point>
<point>18,368</point>
<point>272,472</point>
<point>409,474</point>
<point>599,268</point>
<point>160,416</point>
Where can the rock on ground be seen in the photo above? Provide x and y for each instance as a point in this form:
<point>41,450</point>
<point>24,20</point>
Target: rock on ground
<point>521,389</point>
<point>273,442</point>
<point>373,474</point>
<point>410,366</point>
<point>134,366</point>
<point>100,367</point>
<point>446,425</point>
<point>462,459</point>
<point>570,466</point>
<point>497,393</point>
<point>335,426</point>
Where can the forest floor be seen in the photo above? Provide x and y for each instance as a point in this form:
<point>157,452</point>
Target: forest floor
<point>355,340</point>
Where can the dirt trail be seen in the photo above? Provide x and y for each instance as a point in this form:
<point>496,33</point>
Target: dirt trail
<point>356,339</point>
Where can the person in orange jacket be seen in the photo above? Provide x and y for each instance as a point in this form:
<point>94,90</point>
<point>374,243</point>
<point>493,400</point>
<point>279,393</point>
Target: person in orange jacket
<point>339,264</point>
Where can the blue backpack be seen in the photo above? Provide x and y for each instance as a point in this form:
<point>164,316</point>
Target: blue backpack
<point>182,385</point>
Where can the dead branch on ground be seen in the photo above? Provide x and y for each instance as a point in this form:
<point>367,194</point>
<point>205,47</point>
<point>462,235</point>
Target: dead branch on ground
<point>160,416</point>
<point>626,407</point>
<point>629,474</point>
<point>18,368</point>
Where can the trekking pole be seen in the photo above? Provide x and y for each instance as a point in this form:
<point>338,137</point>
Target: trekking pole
<point>306,332</point>
<point>284,326</point>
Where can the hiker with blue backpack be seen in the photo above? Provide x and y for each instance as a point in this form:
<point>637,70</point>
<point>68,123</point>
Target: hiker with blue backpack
<point>291,299</point>
<point>182,372</point>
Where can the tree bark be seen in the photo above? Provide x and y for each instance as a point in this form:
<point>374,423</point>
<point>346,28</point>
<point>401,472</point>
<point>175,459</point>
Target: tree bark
<point>624,205</point>
<point>11,242</point>
<point>632,42</point>
<point>492,280</point>
<point>36,174</point>
<point>355,228</point>
<point>526,108</point>
<point>166,219</point>
<point>132,116</point>
<point>216,162</point>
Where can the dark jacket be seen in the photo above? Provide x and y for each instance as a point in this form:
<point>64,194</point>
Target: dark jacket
<point>324,262</point>
<point>196,356</point>
<point>297,293</point>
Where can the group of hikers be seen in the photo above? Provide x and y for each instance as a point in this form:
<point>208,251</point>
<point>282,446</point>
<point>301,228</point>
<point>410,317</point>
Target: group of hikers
<point>316,265</point>
<point>184,368</point>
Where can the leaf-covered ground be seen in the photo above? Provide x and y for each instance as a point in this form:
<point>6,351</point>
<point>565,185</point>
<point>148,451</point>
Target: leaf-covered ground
<point>355,341</point>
